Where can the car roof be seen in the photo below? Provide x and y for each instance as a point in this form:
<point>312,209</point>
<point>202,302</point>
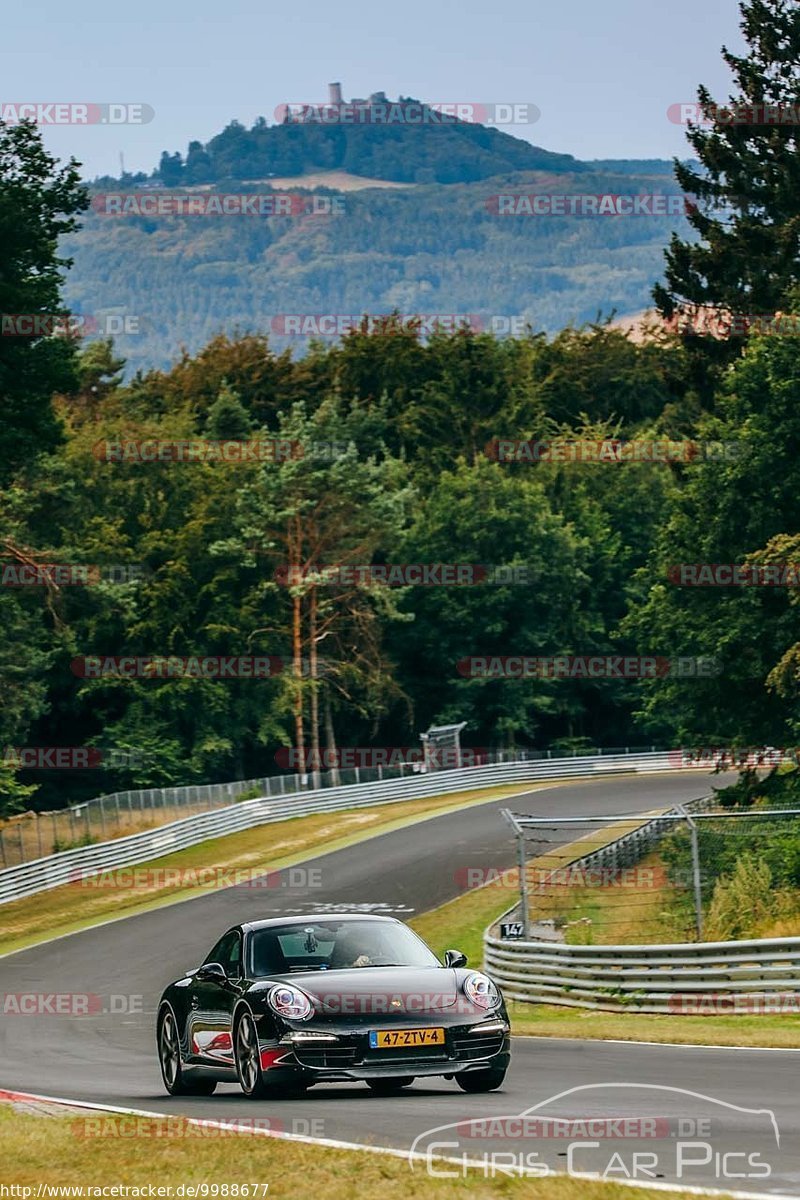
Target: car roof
<point>317,918</point>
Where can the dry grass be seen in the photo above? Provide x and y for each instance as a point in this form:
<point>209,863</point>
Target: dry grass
<point>27,837</point>
<point>45,1150</point>
<point>263,848</point>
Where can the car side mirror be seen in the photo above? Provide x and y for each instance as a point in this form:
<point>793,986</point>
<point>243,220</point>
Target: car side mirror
<point>211,973</point>
<point>454,958</point>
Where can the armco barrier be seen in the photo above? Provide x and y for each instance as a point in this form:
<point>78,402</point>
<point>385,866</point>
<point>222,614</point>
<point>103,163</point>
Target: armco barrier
<point>759,976</point>
<point>57,869</point>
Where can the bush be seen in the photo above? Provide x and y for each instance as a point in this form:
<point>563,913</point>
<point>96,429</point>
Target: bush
<point>742,901</point>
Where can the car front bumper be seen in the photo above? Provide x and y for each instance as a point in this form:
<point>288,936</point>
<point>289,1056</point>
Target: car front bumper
<point>346,1054</point>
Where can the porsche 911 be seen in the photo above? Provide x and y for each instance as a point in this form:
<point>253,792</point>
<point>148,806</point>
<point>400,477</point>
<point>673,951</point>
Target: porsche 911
<point>282,1004</point>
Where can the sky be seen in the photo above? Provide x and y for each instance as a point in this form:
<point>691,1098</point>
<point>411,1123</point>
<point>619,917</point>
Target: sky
<point>602,75</point>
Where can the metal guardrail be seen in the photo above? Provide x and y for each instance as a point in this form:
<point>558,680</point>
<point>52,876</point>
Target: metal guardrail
<point>690,977</point>
<point>680,978</point>
<point>31,835</point>
<point>70,865</point>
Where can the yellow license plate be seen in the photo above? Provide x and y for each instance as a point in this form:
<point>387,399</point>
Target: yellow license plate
<point>394,1039</point>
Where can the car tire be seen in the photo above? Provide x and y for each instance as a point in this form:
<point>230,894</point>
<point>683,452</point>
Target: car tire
<point>247,1058</point>
<point>176,1081</point>
<point>390,1087</point>
<point>481,1081</point>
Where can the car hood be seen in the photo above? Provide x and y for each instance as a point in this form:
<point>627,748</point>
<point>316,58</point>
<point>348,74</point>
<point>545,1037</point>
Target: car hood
<point>396,991</point>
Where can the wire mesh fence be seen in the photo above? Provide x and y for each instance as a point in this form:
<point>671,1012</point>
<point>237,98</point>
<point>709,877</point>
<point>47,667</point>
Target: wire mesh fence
<point>33,835</point>
<point>695,873</point>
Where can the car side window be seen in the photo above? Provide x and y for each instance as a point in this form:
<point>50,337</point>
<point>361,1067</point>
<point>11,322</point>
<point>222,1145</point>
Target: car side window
<point>228,953</point>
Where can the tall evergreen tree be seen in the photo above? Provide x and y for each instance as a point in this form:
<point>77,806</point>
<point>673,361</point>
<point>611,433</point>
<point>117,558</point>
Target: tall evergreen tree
<point>747,211</point>
<point>38,203</point>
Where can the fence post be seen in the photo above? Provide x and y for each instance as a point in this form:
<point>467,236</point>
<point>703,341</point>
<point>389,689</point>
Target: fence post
<point>21,844</point>
<point>39,835</point>
<point>3,848</point>
<point>523,884</point>
<point>102,816</point>
<point>698,891</point>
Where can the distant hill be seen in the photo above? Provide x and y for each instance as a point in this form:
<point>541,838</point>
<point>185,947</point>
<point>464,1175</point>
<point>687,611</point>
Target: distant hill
<point>405,141</point>
<point>398,243</point>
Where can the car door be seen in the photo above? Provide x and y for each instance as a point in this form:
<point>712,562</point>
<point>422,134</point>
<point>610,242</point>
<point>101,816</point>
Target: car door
<point>211,1004</point>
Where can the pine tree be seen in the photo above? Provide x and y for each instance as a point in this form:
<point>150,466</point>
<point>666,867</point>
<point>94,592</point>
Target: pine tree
<point>39,203</point>
<point>747,209</point>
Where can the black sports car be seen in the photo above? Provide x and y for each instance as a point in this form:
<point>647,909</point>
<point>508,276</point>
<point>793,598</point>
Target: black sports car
<point>282,1004</point>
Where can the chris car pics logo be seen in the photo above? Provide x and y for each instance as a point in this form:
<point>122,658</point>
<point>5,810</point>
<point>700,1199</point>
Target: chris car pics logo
<point>619,1131</point>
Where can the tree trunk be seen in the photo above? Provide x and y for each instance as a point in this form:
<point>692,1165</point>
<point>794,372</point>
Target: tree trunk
<point>312,664</point>
<point>297,655</point>
<point>330,738</point>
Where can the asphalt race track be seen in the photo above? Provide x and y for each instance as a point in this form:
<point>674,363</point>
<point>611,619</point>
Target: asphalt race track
<point>697,1103</point>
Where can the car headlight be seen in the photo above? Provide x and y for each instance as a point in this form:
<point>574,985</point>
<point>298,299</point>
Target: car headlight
<point>481,991</point>
<point>289,1002</point>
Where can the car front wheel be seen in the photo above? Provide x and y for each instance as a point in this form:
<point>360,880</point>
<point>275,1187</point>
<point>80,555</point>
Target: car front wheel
<point>481,1081</point>
<point>248,1058</point>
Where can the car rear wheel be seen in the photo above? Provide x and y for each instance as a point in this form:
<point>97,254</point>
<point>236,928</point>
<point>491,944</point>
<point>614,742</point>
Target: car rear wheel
<point>175,1078</point>
<point>389,1087</point>
<point>481,1081</point>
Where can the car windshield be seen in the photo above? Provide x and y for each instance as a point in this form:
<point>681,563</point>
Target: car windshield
<point>336,945</point>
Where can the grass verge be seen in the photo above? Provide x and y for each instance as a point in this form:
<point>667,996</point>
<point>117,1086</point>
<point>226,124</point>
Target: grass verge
<point>49,1150</point>
<point>165,880</point>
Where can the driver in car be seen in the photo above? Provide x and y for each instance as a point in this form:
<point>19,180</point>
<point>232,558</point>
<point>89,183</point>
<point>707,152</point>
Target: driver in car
<point>357,950</point>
